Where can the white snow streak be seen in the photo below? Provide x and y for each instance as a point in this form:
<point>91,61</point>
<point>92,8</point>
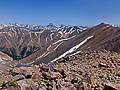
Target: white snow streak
<point>46,39</point>
<point>51,36</point>
<point>71,29</point>
<point>75,53</point>
<point>63,39</point>
<point>57,46</point>
<point>36,34</point>
<point>30,34</point>
<point>73,49</point>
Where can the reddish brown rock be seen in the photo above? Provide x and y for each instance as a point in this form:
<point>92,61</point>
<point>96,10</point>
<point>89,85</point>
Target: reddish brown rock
<point>12,87</point>
<point>25,70</point>
<point>36,77</point>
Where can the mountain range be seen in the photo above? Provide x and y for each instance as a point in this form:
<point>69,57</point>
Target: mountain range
<point>21,41</point>
<point>58,57</point>
<point>30,44</point>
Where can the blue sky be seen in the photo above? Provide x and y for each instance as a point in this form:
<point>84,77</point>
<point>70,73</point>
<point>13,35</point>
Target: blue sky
<point>69,12</point>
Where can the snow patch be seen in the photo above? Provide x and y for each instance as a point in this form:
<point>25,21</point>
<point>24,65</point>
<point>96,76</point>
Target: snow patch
<point>73,49</point>
<point>107,26</point>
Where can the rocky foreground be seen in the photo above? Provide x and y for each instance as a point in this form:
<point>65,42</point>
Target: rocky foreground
<point>98,70</point>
